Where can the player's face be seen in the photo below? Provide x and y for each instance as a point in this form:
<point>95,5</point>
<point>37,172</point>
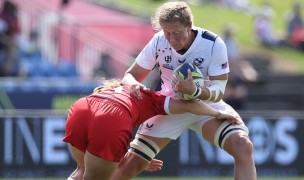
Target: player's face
<point>178,35</point>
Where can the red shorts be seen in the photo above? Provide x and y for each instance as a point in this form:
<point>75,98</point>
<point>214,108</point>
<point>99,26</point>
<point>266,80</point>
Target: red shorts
<point>99,126</point>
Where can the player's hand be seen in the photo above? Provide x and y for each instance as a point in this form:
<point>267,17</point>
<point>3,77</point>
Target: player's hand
<point>230,118</point>
<point>175,81</point>
<point>136,90</point>
<point>189,84</point>
<point>186,86</point>
<point>155,165</point>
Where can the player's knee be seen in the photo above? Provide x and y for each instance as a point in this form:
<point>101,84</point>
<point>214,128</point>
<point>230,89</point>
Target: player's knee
<point>242,149</point>
<point>234,139</point>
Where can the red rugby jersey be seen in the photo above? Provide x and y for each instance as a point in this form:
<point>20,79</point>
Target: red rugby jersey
<point>152,103</point>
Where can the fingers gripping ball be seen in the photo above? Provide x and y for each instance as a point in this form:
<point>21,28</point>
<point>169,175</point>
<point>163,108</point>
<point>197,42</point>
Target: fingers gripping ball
<point>197,76</point>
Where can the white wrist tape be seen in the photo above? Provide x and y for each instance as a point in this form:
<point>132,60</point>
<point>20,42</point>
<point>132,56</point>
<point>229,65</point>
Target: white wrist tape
<point>216,88</point>
<point>197,92</point>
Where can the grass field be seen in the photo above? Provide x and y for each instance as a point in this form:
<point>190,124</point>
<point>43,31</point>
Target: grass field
<point>175,178</point>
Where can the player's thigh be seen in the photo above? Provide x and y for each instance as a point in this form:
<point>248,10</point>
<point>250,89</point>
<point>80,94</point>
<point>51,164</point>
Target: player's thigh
<point>208,126</point>
<point>161,142</point>
<point>209,129</point>
<point>169,126</point>
<point>97,168</point>
<point>78,155</point>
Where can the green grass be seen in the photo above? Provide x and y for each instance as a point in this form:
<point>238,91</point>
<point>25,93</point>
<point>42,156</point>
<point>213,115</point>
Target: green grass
<point>244,28</point>
<point>172,178</point>
<point>298,178</point>
<point>213,178</point>
<point>221,16</point>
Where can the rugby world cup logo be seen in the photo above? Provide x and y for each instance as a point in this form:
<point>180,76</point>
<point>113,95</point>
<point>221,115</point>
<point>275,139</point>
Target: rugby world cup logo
<point>168,59</point>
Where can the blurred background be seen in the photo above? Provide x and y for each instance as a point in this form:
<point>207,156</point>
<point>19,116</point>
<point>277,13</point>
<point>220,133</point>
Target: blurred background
<point>53,52</point>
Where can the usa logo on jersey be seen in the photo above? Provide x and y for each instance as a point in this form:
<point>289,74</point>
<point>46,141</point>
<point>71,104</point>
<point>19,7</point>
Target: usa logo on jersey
<point>198,61</point>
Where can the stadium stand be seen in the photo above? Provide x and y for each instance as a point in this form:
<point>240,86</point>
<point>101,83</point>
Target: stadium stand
<point>72,48</point>
<point>274,91</point>
<point>66,35</point>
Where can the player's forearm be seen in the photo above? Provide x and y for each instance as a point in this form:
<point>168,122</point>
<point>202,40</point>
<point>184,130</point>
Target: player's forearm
<point>205,95</point>
<point>215,91</point>
<point>200,108</point>
<point>193,106</point>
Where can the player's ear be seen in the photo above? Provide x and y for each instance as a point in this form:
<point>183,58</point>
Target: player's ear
<point>189,27</point>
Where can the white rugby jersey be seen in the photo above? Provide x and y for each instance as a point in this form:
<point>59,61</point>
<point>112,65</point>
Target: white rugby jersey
<point>208,52</point>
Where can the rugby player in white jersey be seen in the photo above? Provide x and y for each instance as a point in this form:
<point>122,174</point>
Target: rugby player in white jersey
<point>179,41</point>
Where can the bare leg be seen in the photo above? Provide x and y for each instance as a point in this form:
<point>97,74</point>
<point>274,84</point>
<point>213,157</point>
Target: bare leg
<point>79,158</point>
<point>97,168</point>
<point>132,165</point>
<point>241,148</point>
<point>237,145</point>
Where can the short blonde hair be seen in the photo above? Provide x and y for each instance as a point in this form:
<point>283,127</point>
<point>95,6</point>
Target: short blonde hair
<point>170,12</point>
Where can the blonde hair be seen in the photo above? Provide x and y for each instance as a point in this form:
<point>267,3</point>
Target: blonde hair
<point>170,12</point>
<point>107,85</point>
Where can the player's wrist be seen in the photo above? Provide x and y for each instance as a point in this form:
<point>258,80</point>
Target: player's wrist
<point>218,114</point>
<point>197,92</point>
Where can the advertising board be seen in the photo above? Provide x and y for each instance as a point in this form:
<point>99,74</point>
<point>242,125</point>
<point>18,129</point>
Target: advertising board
<point>32,146</point>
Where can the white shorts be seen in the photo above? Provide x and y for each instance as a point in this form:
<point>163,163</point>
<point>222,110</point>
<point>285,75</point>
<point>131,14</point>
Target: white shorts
<point>171,126</point>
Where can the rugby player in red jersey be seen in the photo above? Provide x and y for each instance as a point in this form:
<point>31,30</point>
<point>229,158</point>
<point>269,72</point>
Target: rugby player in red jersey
<point>99,126</point>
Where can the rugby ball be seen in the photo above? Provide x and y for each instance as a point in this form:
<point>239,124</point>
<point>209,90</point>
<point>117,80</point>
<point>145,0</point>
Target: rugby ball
<point>197,76</point>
